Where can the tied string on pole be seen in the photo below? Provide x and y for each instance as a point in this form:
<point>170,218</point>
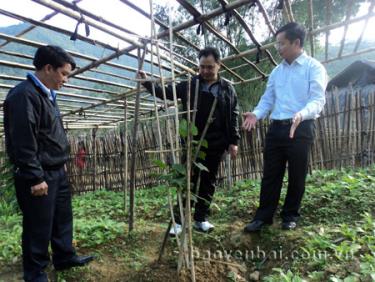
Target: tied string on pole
<point>280,5</point>
<point>228,14</point>
<point>81,20</point>
<point>258,55</point>
<point>200,28</point>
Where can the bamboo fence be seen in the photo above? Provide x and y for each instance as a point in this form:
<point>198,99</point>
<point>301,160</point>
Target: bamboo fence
<point>344,138</point>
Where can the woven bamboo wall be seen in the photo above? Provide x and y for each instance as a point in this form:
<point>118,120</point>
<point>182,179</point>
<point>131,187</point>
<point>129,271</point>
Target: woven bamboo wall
<point>344,138</point>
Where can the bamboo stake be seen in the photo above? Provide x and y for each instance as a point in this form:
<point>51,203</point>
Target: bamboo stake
<point>174,85</point>
<point>125,156</point>
<point>95,157</point>
<point>153,85</point>
<point>188,223</point>
<point>134,145</point>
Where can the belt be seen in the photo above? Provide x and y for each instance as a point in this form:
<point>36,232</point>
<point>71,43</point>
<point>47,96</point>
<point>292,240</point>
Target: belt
<point>288,121</point>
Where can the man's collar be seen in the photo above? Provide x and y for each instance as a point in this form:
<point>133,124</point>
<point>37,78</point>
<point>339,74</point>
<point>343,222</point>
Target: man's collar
<point>49,92</point>
<point>299,60</point>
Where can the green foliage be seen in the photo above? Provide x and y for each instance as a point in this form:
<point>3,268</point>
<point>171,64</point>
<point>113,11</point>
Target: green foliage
<point>176,175</point>
<point>10,218</point>
<point>281,276</point>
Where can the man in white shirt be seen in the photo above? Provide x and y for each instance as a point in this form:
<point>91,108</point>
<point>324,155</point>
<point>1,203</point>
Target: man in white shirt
<point>295,95</point>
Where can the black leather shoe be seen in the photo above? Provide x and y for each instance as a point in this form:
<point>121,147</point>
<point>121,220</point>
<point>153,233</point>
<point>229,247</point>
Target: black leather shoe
<point>254,226</point>
<point>289,225</point>
<point>75,261</point>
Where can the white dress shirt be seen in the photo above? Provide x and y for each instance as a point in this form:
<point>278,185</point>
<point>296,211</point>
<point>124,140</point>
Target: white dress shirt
<point>295,88</point>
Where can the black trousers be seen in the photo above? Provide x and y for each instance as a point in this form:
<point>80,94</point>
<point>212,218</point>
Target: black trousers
<point>280,150</point>
<point>45,219</point>
<point>207,185</point>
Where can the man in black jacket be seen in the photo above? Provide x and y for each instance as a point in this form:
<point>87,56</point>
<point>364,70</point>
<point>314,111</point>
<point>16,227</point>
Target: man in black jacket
<point>222,133</point>
<point>38,148</point>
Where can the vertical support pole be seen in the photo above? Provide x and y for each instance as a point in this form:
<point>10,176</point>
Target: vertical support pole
<point>228,169</point>
<point>125,155</point>
<point>95,158</point>
<point>134,144</point>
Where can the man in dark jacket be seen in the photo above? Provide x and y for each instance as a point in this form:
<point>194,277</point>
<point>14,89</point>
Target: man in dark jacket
<point>222,133</point>
<point>38,148</point>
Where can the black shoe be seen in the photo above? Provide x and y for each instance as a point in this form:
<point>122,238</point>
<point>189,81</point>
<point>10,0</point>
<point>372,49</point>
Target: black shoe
<point>254,226</point>
<point>289,225</point>
<point>73,262</point>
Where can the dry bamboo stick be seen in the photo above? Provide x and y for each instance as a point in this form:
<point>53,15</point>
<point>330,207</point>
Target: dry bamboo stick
<point>125,156</point>
<point>263,11</point>
<point>187,222</point>
<point>134,145</point>
<point>153,85</point>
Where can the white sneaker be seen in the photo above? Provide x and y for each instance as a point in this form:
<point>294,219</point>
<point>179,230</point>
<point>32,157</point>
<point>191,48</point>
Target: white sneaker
<point>175,230</point>
<point>203,226</point>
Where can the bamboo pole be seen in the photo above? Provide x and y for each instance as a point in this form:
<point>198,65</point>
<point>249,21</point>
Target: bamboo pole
<point>263,11</point>
<point>153,85</point>
<point>134,145</point>
<point>289,10</point>
<point>95,158</point>
<point>125,156</point>
<point>188,223</point>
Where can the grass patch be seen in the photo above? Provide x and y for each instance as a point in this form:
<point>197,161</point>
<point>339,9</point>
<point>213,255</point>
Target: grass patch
<point>335,239</point>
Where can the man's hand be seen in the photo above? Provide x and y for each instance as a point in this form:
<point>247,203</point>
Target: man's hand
<point>233,151</point>
<point>250,121</point>
<point>40,189</point>
<point>296,121</point>
<point>141,74</point>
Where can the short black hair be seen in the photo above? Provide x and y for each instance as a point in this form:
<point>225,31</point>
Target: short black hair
<point>293,31</point>
<point>210,51</point>
<point>52,55</point>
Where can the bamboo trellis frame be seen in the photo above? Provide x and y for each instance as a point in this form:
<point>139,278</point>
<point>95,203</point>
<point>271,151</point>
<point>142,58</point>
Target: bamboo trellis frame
<point>115,98</point>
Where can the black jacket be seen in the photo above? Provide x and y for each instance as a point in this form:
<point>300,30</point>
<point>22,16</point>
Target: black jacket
<point>227,104</point>
<point>34,134</point>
